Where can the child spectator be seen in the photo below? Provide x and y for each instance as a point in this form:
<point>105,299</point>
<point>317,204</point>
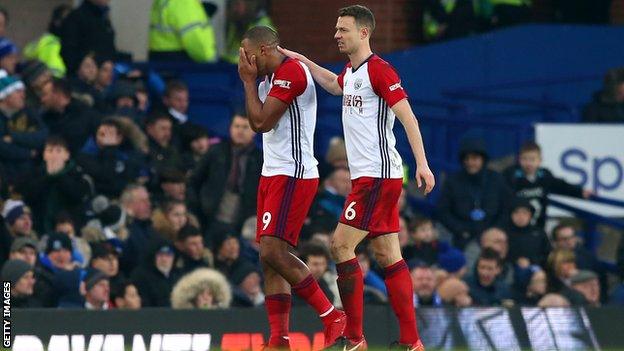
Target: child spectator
<point>528,244</point>
<point>125,296</point>
<point>534,183</point>
<point>204,288</point>
<point>170,218</point>
<point>425,245</point>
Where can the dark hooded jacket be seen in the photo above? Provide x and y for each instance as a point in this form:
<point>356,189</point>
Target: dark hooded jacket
<point>153,286</point>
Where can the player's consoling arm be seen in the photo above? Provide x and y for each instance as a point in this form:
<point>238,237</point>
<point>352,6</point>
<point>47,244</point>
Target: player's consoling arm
<point>326,78</point>
<point>404,113</point>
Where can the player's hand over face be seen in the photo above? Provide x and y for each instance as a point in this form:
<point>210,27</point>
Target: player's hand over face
<point>424,175</point>
<point>291,53</point>
<point>247,69</point>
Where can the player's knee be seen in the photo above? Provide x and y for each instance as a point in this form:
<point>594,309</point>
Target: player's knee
<point>340,249</point>
<point>384,258</point>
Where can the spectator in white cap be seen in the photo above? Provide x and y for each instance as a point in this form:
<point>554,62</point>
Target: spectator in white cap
<point>18,219</point>
<point>22,132</point>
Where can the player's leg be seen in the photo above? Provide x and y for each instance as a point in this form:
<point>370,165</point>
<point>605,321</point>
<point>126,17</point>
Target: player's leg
<point>277,303</point>
<point>387,252</point>
<point>350,278</point>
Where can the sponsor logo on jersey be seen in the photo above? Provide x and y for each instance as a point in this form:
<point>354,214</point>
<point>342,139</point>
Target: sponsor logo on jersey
<point>396,86</point>
<point>358,83</point>
<point>282,83</point>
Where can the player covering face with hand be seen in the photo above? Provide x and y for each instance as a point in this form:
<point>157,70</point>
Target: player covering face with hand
<point>283,108</point>
<point>372,98</point>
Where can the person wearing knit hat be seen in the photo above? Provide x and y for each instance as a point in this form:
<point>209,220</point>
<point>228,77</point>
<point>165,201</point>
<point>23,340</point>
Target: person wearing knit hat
<point>96,290</point>
<point>25,249</point>
<point>528,244</point>
<point>247,290</point>
<point>8,85</point>
<point>35,75</point>
<point>453,261</point>
<point>18,219</point>
<point>8,55</point>
<point>21,276</point>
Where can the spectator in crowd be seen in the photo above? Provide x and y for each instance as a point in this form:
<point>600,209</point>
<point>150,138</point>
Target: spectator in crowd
<point>4,20</point>
<point>423,281</point>
<point>172,186</point>
<point>250,247</point>
<point>560,269</point>
<point>553,300</point>
<point>226,179</point>
<point>47,48</point>
<point>176,101</point>
<point>18,219</point>
<point>125,296</point>
<point>528,180</point>
<point>528,244</point>
<point>122,100</point>
<point>54,270</point>
<point>375,290</point>
<point>425,245</point>
<point>241,16</point>
<point>22,278</point>
<point>96,290</point>
<point>59,185</point>
<point>329,202</point>
<point>109,222</point>
<point>82,82</point>
<point>72,120</point>
<point>22,131</point>
<point>25,249</point>
<point>136,204</point>
<point>453,262</point>
<point>247,291</point>
<point>496,239</point>
<point>87,29</point>
<point>105,74</point>
<point>169,219</point>
<point>607,105</point>
<point>227,259</point>
<point>181,31</point>
<point>162,153</point>
<point>586,282</point>
<point>336,157</point>
<point>157,274</point>
<point>35,76</point>
<point>81,252</point>
<point>204,288</point>
<point>535,290</point>
<point>454,292</point>
<point>473,199</point>
<point>105,258</point>
<point>195,145</point>
<point>107,161</point>
<point>192,252</point>
<point>485,287</point>
<point>317,258</point>
<point>8,56</point>
<point>448,20</point>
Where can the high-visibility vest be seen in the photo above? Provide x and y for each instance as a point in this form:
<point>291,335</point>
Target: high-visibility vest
<point>47,49</point>
<point>431,27</point>
<point>182,26</point>
<point>234,39</point>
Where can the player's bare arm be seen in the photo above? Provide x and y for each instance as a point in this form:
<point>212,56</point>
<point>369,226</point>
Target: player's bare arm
<point>404,113</point>
<point>262,117</point>
<point>326,78</point>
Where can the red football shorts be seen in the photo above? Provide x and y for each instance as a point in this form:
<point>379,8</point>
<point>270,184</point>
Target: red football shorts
<point>373,205</point>
<point>283,205</point>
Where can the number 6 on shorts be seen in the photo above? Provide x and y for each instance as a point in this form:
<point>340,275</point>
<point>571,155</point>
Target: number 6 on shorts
<point>350,211</point>
<point>266,219</point>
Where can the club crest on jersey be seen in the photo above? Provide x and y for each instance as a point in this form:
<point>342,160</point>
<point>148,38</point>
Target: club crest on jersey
<point>396,86</point>
<point>358,84</point>
<point>282,83</point>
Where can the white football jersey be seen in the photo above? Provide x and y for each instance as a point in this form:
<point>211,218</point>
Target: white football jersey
<point>289,146</point>
<point>369,91</point>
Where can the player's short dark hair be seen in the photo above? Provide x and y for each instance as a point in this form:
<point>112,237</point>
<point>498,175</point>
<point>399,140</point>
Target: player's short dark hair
<point>313,249</point>
<point>363,15</point>
<point>530,146</point>
<point>188,231</point>
<point>555,232</point>
<point>262,35</point>
<point>61,85</point>
<point>175,85</point>
<point>56,140</point>
<point>490,254</point>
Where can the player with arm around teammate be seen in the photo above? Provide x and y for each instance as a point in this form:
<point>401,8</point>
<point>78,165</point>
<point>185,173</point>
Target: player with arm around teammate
<point>283,108</point>
<point>372,98</point>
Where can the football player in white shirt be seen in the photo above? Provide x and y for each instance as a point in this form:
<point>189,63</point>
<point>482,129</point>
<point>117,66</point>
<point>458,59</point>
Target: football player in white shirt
<point>283,108</point>
<point>372,97</point>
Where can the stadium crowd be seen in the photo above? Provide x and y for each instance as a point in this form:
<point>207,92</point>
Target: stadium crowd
<point>111,197</point>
